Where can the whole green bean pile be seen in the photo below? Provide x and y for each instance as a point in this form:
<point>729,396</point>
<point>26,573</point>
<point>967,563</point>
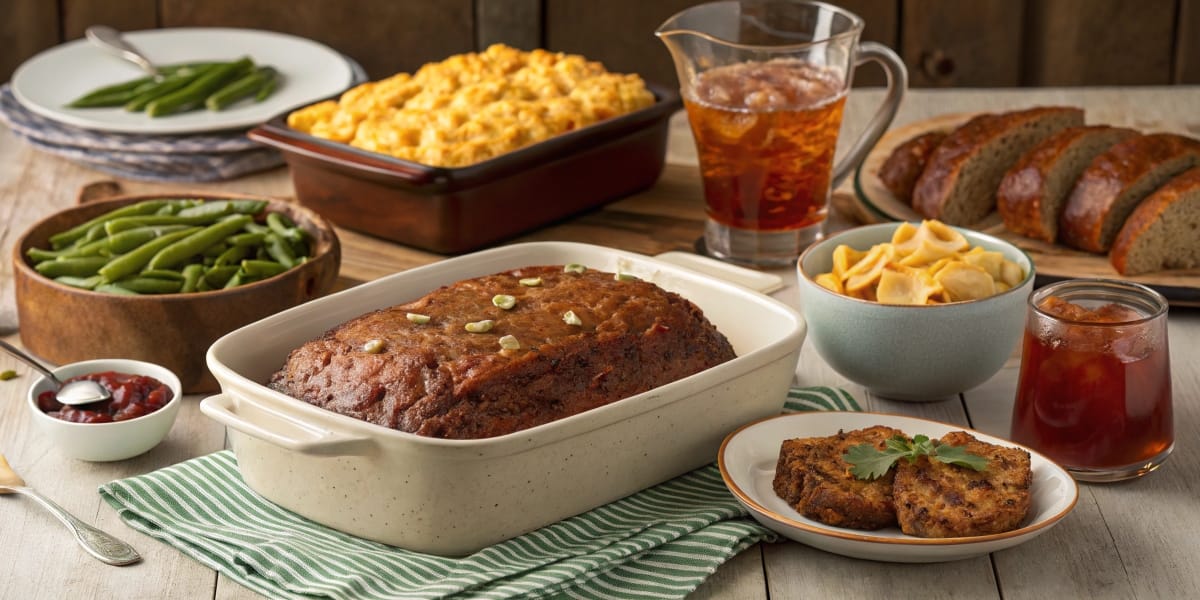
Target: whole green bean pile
<point>174,246</point>
<point>187,86</point>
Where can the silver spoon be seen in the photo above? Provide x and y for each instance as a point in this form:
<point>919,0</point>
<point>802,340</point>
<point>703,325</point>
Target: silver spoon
<point>71,394</point>
<point>102,545</point>
<point>110,39</point>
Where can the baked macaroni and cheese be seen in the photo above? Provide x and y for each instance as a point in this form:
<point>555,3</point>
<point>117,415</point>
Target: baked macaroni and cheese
<point>472,107</point>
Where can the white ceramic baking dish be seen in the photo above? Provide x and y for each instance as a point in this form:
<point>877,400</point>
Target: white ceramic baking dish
<point>453,497</point>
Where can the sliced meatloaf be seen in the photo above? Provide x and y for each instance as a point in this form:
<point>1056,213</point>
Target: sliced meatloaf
<point>938,500</point>
<point>1116,181</point>
<point>436,378</point>
<point>813,478</point>
<point>1163,232</point>
<point>1032,193</point>
<point>904,165</point>
<point>958,185</point>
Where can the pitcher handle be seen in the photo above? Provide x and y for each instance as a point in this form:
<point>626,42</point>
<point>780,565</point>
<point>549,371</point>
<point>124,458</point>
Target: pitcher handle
<point>897,76</point>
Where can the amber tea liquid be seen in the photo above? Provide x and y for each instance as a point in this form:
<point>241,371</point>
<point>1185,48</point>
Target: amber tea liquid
<point>766,133</point>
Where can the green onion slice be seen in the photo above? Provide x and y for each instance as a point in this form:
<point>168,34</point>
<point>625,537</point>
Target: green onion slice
<point>483,326</point>
<point>504,301</point>
<point>418,319</point>
<point>509,342</point>
<point>570,318</point>
<point>574,268</point>
<point>531,281</point>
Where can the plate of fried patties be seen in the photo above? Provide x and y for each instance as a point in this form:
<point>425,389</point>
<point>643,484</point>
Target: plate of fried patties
<point>970,495</point>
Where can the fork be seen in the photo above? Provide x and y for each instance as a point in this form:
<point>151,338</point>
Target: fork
<point>99,544</point>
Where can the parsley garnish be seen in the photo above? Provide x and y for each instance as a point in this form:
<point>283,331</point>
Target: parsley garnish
<point>869,463</point>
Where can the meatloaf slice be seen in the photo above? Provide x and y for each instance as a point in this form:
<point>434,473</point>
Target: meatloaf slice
<point>1163,232</point>
<point>958,185</point>
<point>1033,191</point>
<point>437,379</point>
<point>938,500</point>
<point>813,478</point>
<point>1116,181</point>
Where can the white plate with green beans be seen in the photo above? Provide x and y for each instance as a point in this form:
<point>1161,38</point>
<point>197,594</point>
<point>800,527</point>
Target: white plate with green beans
<point>301,71</point>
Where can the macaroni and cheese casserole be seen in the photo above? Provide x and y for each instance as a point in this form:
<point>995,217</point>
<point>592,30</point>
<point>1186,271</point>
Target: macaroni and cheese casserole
<point>472,107</point>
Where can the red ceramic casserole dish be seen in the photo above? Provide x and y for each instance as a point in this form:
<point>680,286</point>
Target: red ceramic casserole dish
<point>454,210</point>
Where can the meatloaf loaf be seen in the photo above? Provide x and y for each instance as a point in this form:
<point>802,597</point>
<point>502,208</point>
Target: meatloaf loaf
<point>585,339</point>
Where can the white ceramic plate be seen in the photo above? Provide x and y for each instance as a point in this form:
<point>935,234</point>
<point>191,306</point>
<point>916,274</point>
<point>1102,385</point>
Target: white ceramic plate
<point>747,459</point>
<point>310,71</point>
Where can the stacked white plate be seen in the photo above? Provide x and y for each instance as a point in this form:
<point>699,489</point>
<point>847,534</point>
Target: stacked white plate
<point>196,146</point>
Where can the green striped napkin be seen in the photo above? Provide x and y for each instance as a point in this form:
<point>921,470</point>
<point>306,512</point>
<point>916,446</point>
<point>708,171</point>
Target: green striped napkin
<point>661,542</point>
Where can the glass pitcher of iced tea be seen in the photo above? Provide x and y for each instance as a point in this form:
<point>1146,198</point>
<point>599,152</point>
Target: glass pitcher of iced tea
<point>1094,393</point>
<point>764,83</point>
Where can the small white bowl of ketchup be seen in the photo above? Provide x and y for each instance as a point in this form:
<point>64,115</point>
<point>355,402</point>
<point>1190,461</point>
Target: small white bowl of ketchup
<point>145,401</point>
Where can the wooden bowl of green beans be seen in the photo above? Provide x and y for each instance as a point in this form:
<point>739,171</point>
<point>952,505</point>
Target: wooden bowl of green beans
<point>160,278</point>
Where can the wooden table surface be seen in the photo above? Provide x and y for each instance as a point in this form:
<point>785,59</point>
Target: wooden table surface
<point>1129,540</point>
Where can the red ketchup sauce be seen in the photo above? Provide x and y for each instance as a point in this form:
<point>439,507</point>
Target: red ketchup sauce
<point>132,396</point>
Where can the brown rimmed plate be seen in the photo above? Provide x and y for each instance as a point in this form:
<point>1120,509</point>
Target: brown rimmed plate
<point>747,460</point>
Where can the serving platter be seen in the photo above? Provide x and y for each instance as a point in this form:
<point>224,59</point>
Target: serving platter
<point>1053,262</point>
<point>309,71</point>
<point>747,461</point>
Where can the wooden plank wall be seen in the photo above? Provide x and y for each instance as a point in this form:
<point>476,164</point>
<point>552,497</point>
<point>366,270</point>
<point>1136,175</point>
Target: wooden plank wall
<point>980,43</point>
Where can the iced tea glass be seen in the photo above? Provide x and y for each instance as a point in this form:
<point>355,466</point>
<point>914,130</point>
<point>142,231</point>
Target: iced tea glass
<point>1094,393</point>
<point>764,83</point>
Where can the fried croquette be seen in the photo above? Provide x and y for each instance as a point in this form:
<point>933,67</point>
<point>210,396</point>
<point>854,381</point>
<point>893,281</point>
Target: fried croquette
<point>813,478</point>
<point>937,500</point>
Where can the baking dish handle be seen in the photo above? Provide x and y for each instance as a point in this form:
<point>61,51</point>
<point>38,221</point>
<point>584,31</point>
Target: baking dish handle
<point>284,431</point>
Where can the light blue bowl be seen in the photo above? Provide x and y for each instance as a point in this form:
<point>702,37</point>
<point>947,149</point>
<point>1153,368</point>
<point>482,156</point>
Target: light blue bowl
<point>914,353</point>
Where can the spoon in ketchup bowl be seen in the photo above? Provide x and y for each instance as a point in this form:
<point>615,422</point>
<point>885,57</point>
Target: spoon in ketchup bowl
<point>72,393</point>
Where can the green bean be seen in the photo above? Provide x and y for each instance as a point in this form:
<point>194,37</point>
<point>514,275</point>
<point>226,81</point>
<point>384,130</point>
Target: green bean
<point>192,275</point>
<point>129,239</point>
<point>133,261</point>
<point>150,285</point>
<point>220,208</point>
<point>125,223</point>
<point>215,250</point>
<point>231,256</point>
<point>123,86</point>
<point>196,91</point>
<point>64,238</point>
<point>83,266</point>
<point>162,274</point>
<point>216,277</point>
<point>244,239</point>
<point>86,283</point>
<point>178,252</point>
<point>236,280</point>
<point>262,268</point>
<point>166,87</point>
<point>278,249</point>
<point>110,99</point>
<point>244,87</point>
<point>257,228</point>
<point>112,288</point>
<point>267,89</point>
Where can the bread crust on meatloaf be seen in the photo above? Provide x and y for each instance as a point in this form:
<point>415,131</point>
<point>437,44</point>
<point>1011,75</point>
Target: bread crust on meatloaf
<point>436,379</point>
